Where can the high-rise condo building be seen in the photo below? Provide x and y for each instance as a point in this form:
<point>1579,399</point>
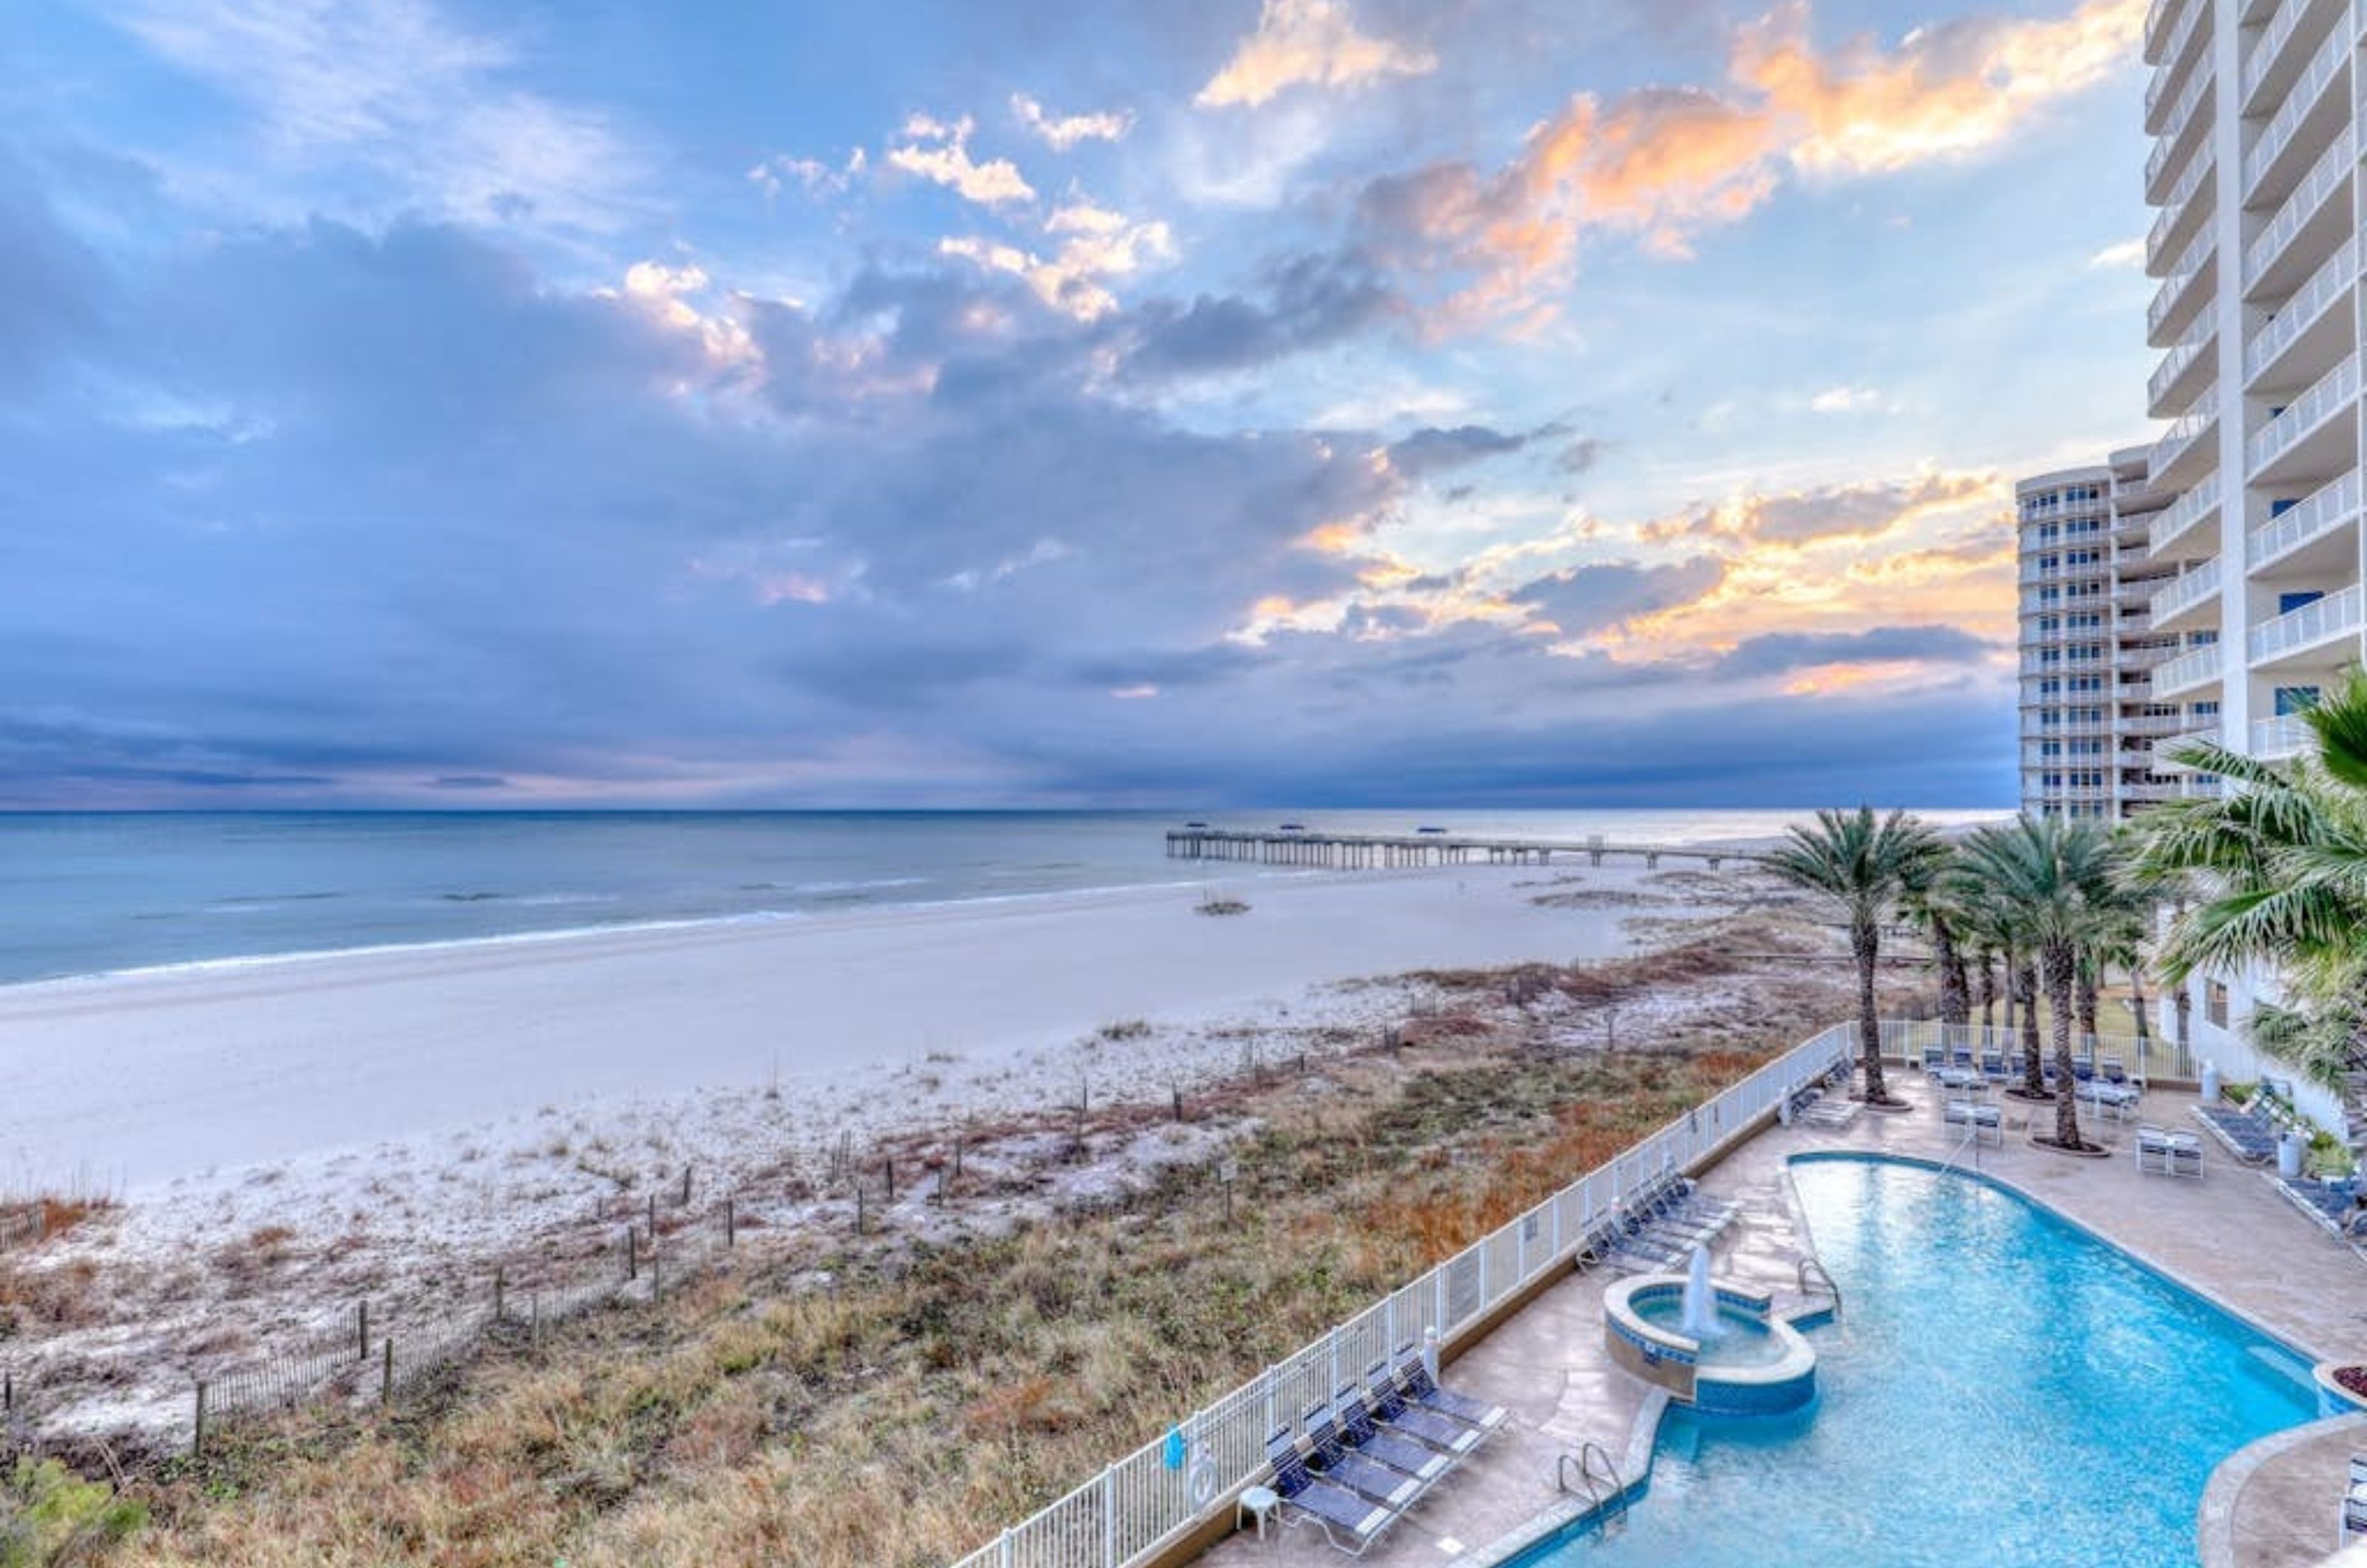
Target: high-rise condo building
<point>2089,719</point>
<point>2254,174</point>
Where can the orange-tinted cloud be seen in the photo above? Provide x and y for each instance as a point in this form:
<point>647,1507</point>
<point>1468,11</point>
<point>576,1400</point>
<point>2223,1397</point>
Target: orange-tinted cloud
<point>1307,43</point>
<point>1666,165</point>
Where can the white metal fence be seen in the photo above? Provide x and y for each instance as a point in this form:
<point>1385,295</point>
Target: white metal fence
<point>1143,1503</point>
<point>2153,1057</point>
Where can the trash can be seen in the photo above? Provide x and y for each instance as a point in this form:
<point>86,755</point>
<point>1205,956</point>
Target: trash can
<point>2290,1148</point>
<point>2209,1083</point>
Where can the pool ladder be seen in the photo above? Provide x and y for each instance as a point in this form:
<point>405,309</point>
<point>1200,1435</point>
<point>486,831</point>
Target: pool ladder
<point>1814,1277</point>
<point>1591,1480</point>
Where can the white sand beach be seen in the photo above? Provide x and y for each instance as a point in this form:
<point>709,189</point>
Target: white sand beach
<point>385,1125</point>
<point>132,1080</point>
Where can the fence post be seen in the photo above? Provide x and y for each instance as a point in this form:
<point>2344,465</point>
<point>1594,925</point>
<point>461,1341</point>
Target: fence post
<point>197,1441</point>
<point>385,1371</point>
<point>498,1282</point>
<point>888,1165</point>
<point>654,1219</point>
<point>632,1254</point>
<point>362,1314</point>
<point>730,1233</point>
<point>1109,1516</point>
<point>686,1187</point>
<point>534,1318</point>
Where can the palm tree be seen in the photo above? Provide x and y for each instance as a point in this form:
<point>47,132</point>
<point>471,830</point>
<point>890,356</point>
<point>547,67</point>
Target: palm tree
<point>1866,867</point>
<point>2060,876</point>
<point>1929,903</point>
<point>1995,923</point>
<point>2279,869</point>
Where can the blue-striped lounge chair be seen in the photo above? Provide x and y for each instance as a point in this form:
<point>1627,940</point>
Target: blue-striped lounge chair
<point>1349,1522</point>
<point>1328,1457</point>
<point>1413,1376</point>
<point>2354,1502</point>
<point>1391,1411</point>
<point>1420,1461</point>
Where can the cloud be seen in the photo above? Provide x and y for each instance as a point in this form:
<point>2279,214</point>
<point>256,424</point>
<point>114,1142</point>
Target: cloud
<point>1595,598</point>
<point>1310,303</point>
<point>1434,449</point>
<point>1783,652</point>
<point>1666,165</point>
<point>431,111</point>
<point>1063,132</point>
<point>1868,510</point>
<point>1307,43</point>
<point>1846,399</point>
<point>2127,256</point>
<point>1095,245</point>
<point>813,175</point>
<point>938,150</point>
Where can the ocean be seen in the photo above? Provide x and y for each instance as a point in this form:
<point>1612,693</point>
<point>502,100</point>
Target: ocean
<point>102,893</point>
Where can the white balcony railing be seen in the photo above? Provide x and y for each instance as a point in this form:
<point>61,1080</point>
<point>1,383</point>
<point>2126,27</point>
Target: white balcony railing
<point>2270,45</point>
<point>2189,671</point>
<point>2324,511</point>
<point>2183,274</point>
<point>2173,215</point>
<point>2166,748</point>
<point>2156,18</point>
<point>2180,438</point>
<point>2284,736</point>
<point>2173,53</point>
<point>2176,362</point>
<point>2184,592</point>
<point>2331,57</point>
<point>2336,391</point>
<point>2198,83</point>
<point>2309,304</point>
<point>2333,166</point>
<point>2199,500</point>
<point>2321,620</point>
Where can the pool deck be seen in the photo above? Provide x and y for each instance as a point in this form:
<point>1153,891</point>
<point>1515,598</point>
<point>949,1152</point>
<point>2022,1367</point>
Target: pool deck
<point>2230,1236</point>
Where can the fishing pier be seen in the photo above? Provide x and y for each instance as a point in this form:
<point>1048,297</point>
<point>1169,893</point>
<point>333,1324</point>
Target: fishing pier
<point>1353,852</point>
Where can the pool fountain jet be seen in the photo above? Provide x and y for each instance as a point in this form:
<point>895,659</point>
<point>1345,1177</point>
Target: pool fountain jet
<point>1700,1320</point>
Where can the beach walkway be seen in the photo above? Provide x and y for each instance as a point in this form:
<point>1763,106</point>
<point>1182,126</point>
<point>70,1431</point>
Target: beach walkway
<point>2230,1235</point>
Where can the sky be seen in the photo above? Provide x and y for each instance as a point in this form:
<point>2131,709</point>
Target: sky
<point>1003,402</point>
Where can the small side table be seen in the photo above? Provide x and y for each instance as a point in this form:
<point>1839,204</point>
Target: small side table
<point>1257,1503</point>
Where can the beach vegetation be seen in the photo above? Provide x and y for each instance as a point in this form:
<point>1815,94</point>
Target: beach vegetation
<point>50,1517</point>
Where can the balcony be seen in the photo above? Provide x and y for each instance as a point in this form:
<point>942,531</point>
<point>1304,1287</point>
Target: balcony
<point>2185,368</point>
<point>2269,69</point>
<point>2313,435</point>
<point>2191,278</point>
<point>2178,532</point>
<point>2309,628</point>
<point>2081,572</point>
<point>2310,223</point>
<point>2191,201</point>
<point>2311,111</point>
<point>2195,671</point>
<point>2151,728</point>
<point>2179,604</point>
<point>2317,528</point>
<point>2145,658</point>
<point>2177,45</point>
<point>2172,143</point>
<point>2288,735</point>
<point>2307,331</point>
<point>2184,454</point>
<point>2084,728</point>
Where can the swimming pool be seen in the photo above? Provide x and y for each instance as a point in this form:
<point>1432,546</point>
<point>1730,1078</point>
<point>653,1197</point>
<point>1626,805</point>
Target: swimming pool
<point>2001,1388</point>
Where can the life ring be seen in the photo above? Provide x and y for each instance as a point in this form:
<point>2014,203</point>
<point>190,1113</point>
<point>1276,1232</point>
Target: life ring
<point>1202,1480</point>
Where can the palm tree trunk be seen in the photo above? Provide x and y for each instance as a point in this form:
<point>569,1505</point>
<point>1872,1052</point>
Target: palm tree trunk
<point>2090,984</point>
<point>2026,988</point>
<point>1865,944</point>
<point>2137,1007</point>
<point>1955,1002</point>
<point>1989,990</point>
<point>2182,1006</point>
<point>2062,971</point>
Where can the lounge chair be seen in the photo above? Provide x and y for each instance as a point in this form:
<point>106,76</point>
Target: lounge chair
<point>1420,1461</point>
<point>2354,1502</point>
<point>2115,1070</point>
<point>1390,1410</point>
<point>1333,1509</point>
<point>1993,1067</point>
<point>2333,1205</point>
<point>1934,1058</point>
<point>2248,1135</point>
<point>1328,1457</point>
<point>1413,1377</point>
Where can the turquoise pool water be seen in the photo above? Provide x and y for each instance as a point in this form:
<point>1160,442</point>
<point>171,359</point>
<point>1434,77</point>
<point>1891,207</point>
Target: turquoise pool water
<point>2002,1389</point>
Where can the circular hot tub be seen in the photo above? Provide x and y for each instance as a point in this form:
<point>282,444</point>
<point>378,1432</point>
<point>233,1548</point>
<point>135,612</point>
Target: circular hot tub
<point>1749,1363</point>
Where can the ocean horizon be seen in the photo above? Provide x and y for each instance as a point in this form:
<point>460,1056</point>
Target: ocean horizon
<point>99,893</point>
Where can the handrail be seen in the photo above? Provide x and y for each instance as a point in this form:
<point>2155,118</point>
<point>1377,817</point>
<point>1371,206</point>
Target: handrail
<point>1812,1270</point>
<point>2333,615</point>
<point>1587,1454</point>
<point>2173,210</point>
<point>2303,415</point>
<point>2323,509</point>
<point>2297,315</point>
<point>2201,497</point>
<point>2331,56</point>
<point>2183,274</point>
